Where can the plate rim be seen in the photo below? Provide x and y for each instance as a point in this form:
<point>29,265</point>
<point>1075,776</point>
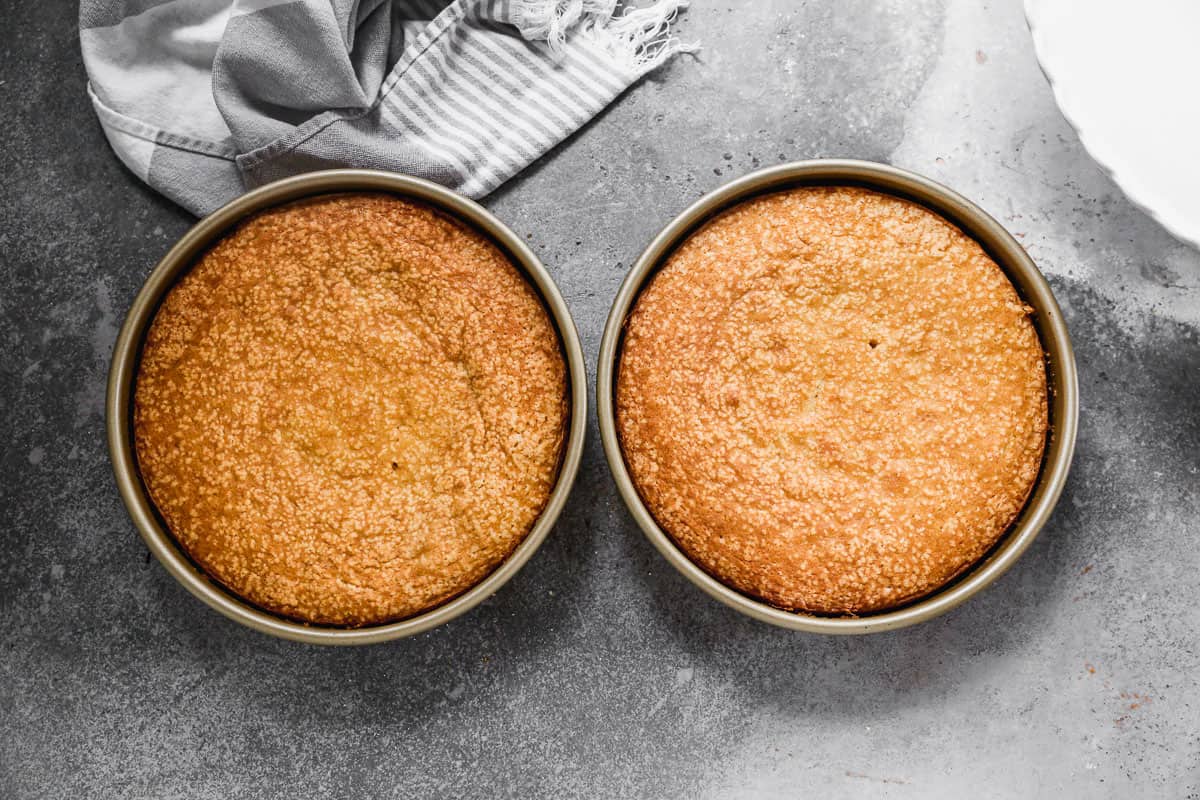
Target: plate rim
<point>1105,161</point>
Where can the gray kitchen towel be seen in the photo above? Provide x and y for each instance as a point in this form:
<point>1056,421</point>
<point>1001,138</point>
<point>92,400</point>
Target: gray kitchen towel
<point>203,99</point>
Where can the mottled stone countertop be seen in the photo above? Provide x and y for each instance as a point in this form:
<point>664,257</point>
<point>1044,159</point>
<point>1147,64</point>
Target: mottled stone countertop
<point>598,671</point>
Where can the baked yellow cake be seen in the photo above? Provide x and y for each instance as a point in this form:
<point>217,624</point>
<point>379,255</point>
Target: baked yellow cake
<point>351,409</point>
<point>832,400</point>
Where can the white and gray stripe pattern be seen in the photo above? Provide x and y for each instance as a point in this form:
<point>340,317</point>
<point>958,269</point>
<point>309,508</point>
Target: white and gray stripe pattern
<point>204,98</point>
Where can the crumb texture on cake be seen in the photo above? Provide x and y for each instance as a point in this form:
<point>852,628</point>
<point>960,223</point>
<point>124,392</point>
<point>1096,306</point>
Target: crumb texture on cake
<point>832,399</point>
<point>351,409</point>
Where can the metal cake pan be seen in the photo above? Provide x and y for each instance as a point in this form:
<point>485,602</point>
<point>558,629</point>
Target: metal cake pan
<point>1062,381</point>
<point>123,372</point>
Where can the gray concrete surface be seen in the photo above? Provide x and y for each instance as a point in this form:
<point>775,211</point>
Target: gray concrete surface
<point>599,672</point>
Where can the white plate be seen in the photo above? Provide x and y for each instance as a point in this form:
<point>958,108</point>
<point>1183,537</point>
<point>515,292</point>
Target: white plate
<point>1127,78</point>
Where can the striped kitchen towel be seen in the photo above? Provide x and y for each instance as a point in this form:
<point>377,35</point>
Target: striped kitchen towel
<point>203,99</point>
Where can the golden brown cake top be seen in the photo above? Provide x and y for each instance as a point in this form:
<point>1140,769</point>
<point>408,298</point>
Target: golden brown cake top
<point>351,409</point>
<point>832,399</point>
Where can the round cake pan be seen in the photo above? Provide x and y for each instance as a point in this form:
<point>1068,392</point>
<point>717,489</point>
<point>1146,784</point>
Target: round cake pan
<point>1003,248</point>
<point>122,375</point>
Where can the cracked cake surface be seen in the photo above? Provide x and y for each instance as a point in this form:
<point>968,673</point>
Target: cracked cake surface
<point>832,399</point>
<point>350,409</point>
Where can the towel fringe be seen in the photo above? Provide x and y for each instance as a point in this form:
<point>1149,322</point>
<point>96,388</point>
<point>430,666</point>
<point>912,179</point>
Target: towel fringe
<point>637,38</point>
<point>552,20</point>
<point>640,39</point>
